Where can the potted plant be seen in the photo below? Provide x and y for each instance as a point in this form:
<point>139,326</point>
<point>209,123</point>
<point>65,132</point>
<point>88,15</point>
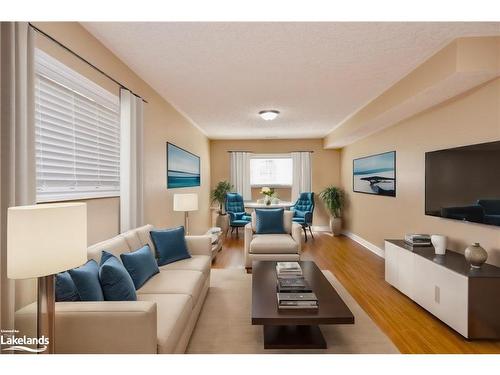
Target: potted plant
<point>218,195</point>
<point>333,198</point>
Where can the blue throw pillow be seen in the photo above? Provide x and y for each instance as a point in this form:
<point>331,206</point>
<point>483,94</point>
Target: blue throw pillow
<point>86,279</point>
<point>170,245</point>
<point>298,213</point>
<point>269,221</point>
<point>116,283</point>
<point>65,288</point>
<point>141,265</point>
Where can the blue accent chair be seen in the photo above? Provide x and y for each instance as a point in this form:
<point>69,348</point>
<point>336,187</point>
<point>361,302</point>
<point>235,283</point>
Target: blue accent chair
<point>303,211</point>
<point>235,208</point>
<point>491,210</point>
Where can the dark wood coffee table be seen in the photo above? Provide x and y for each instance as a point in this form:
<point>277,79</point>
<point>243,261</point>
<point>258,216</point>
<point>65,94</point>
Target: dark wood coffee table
<point>295,329</point>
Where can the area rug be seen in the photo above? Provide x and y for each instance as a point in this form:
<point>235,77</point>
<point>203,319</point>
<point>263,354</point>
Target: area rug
<point>224,326</point>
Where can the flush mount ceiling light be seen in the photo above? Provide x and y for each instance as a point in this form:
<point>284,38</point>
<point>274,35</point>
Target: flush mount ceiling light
<point>269,115</point>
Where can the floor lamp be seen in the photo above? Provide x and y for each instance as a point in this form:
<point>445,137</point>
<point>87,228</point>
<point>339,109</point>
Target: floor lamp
<point>43,240</point>
<point>186,203</point>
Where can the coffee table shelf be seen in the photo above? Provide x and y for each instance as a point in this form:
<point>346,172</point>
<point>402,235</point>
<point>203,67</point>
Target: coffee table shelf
<point>295,329</point>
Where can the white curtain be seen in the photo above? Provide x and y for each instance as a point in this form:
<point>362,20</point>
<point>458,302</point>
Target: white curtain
<point>240,173</point>
<point>131,161</point>
<point>18,165</point>
<point>301,181</point>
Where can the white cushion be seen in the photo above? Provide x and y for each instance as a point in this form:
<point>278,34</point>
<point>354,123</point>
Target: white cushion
<point>199,263</point>
<point>139,237</point>
<point>116,246</point>
<point>287,221</point>
<point>145,237</point>
<point>175,281</point>
<point>132,239</point>
<point>173,312</point>
<point>273,244</point>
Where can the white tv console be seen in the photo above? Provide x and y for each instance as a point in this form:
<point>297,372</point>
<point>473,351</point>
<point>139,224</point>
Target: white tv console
<point>468,300</point>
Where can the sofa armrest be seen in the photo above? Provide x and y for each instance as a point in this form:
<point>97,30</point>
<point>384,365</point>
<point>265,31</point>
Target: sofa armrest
<point>248,236</point>
<point>106,327</point>
<point>297,235</point>
<point>199,245</point>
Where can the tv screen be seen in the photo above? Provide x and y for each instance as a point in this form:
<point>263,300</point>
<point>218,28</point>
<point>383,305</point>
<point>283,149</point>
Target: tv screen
<point>463,183</point>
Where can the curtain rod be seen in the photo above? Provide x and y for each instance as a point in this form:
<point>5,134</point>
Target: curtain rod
<point>84,60</point>
<point>271,152</point>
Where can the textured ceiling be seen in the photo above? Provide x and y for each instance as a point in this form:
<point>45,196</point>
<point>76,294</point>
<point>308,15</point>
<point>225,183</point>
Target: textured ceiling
<point>220,75</point>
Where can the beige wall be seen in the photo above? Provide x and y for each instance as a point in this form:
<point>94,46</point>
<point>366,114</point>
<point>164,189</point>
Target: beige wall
<point>325,164</point>
<point>470,118</point>
<point>461,65</point>
<point>162,123</point>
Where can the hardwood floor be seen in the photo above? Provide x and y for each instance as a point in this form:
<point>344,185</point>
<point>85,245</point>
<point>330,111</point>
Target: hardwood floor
<point>411,328</point>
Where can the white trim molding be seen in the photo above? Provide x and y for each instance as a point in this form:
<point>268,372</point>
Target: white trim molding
<point>373,248</point>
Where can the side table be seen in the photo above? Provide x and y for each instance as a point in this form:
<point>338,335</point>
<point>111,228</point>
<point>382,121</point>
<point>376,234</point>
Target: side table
<point>217,238</point>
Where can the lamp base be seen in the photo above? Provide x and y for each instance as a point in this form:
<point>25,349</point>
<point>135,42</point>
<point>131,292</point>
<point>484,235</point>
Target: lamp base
<point>186,222</point>
<point>46,312</point>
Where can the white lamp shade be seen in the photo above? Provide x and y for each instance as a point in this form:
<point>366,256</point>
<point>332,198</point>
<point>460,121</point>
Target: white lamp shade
<point>45,239</point>
<point>186,202</point>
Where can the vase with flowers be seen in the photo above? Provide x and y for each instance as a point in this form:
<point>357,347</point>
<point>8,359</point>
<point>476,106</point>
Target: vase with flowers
<point>268,194</point>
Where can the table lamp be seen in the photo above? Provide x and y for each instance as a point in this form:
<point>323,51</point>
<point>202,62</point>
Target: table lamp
<point>186,203</point>
<point>43,240</point>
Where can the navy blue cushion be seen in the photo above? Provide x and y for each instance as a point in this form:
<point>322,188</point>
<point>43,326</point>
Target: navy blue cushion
<point>170,245</point>
<point>269,221</point>
<point>86,279</point>
<point>141,265</point>
<point>299,213</point>
<point>239,217</point>
<point>65,288</point>
<point>116,283</point>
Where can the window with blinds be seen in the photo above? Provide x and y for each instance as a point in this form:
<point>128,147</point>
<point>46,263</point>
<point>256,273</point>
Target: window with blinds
<point>77,134</point>
<point>273,170</point>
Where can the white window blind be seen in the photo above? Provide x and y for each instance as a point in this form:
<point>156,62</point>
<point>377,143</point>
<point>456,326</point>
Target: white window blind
<point>271,170</point>
<point>77,134</point>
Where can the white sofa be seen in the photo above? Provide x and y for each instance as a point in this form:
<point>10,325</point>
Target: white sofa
<point>276,247</point>
<point>160,321</point>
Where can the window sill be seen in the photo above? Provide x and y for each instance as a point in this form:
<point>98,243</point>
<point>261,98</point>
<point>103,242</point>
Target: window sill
<point>77,197</point>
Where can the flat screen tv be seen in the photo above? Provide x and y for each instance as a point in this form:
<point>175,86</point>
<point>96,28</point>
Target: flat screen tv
<point>463,183</point>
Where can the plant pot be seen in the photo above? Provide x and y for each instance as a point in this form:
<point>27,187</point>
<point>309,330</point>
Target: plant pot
<point>222,222</point>
<point>336,226</point>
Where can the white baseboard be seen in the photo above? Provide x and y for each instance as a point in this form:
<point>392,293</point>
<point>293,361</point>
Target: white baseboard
<point>373,248</point>
<point>320,228</point>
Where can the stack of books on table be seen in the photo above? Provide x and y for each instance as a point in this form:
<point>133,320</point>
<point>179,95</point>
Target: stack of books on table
<point>293,290</point>
<point>293,285</point>
<point>288,269</point>
<point>306,301</point>
<point>418,239</point>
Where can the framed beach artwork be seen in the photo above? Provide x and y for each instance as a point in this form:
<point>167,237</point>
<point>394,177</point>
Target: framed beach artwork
<point>183,168</point>
<point>375,174</point>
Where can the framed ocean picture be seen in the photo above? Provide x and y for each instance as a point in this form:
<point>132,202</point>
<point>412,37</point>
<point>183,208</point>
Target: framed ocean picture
<point>375,174</point>
<point>183,168</point>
